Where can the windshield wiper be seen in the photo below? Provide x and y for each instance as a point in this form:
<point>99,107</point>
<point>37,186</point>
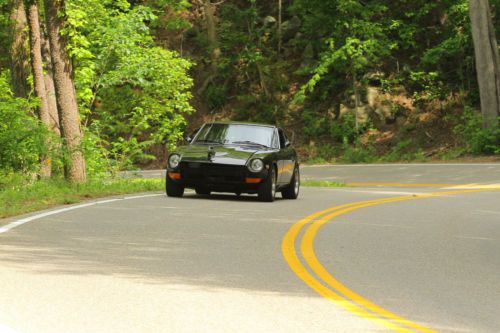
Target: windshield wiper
<point>250,143</point>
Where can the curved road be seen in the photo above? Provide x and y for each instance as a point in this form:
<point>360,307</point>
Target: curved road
<point>421,257</point>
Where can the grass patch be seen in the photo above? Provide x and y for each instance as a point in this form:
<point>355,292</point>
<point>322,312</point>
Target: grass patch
<point>19,197</point>
<point>321,183</point>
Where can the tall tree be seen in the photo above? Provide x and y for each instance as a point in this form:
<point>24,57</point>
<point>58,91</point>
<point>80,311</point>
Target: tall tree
<point>65,91</point>
<point>38,77</point>
<point>211,26</point>
<point>487,61</point>
<point>48,76</point>
<point>19,52</point>
<point>280,25</point>
<point>210,15</point>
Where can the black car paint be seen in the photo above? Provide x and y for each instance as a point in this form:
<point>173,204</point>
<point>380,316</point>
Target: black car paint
<point>216,167</point>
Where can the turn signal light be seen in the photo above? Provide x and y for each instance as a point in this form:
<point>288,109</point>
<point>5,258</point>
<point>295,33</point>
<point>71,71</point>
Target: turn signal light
<point>174,175</point>
<point>253,180</point>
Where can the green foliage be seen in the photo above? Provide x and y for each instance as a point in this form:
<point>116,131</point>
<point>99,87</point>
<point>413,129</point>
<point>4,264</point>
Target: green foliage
<point>175,7</point>
<point>340,130</point>
<point>358,153</point>
<point>216,96</point>
<point>345,130</point>
<point>355,39</point>
<point>321,183</point>
<point>478,140</point>
<point>315,125</point>
<point>422,45</point>
<point>404,151</point>
<point>255,109</point>
<point>22,137</point>
<point>20,195</point>
<point>426,85</point>
<point>249,68</point>
<point>97,158</point>
<point>132,93</point>
<point>451,154</point>
<point>5,38</point>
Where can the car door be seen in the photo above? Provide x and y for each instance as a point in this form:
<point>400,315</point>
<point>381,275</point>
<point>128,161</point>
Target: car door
<point>287,158</point>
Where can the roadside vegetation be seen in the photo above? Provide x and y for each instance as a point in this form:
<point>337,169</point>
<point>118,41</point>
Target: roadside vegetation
<point>321,183</point>
<point>20,196</point>
<point>92,87</point>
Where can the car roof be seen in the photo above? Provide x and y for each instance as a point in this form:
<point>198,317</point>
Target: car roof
<point>241,123</point>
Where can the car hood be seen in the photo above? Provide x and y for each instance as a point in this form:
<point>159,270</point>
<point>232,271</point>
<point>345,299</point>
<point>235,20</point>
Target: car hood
<point>221,154</point>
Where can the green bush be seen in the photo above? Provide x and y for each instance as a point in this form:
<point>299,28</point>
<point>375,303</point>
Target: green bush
<point>345,129</point>
<point>97,158</point>
<point>216,96</point>
<point>22,137</point>
<point>256,109</point>
<point>477,139</point>
<point>358,153</point>
<point>322,153</point>
<point>315,125</point>
<point>402,151</point>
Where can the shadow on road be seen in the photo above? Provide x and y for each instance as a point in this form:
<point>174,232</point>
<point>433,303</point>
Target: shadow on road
<point>210,241</point>
<point>228,197</point>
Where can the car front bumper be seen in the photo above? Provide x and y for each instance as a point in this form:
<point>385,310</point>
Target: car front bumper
<point>217,177</point>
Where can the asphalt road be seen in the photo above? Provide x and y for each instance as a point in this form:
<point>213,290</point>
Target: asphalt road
<point>425,260</point>
<point>394,174</point>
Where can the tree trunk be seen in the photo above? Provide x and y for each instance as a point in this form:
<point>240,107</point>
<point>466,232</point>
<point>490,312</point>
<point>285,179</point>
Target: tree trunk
<point>487,61</point>
<point>65,92</point>
<point>211,26</point>
<point>38,79</point>
<point>49,87</point>
<point>19,52</point>
<point>280,25</point>
<point>357,99</point>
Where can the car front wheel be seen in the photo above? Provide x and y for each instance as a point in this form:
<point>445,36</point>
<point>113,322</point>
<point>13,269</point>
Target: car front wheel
<point>267,190</point>
<point>174,190</point>
<point>292,190</point>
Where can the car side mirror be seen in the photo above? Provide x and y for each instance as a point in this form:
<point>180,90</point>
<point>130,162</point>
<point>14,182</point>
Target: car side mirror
<point>287,143</point>
<point>188,139</point>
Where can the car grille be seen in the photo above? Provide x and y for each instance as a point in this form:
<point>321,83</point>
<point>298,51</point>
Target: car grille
<point>212,173</point>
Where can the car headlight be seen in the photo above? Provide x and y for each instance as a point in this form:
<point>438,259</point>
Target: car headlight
<point>256,165</point>
<point>174,160</point>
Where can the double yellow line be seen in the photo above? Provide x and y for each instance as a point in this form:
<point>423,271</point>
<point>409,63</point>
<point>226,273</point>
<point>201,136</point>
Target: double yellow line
<point>315,275</point>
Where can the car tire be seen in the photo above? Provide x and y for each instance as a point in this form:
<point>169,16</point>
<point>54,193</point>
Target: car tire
<point>202,191</point>
<point>173,189</point>
<point>293,189</point>
<point>267,190</point>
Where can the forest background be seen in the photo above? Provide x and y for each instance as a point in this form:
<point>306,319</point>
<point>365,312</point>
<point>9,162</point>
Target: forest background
<point>350,80</point>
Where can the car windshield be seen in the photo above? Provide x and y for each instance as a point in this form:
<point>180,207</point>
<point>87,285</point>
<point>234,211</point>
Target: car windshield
<point>235,134</point>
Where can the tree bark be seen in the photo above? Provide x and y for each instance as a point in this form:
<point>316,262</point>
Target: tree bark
<point>38,79</point>
<point>211,26</point>
<point>65,92</point>
<point>280,25</point>
<point>19,51</point>
<point>487,61</point>
<point>49,86</point>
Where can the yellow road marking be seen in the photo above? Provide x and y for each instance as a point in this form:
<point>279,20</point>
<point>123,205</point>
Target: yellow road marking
<point>478,186</point>
<point>335,290</point>
<point>288,250</point>
<point>356,184</point>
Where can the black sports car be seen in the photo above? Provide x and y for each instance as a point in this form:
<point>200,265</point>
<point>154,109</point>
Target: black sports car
<point>238,158</point>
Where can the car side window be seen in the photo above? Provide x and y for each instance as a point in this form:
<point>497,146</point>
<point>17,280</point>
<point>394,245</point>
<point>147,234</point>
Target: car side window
<point>275,143</point>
